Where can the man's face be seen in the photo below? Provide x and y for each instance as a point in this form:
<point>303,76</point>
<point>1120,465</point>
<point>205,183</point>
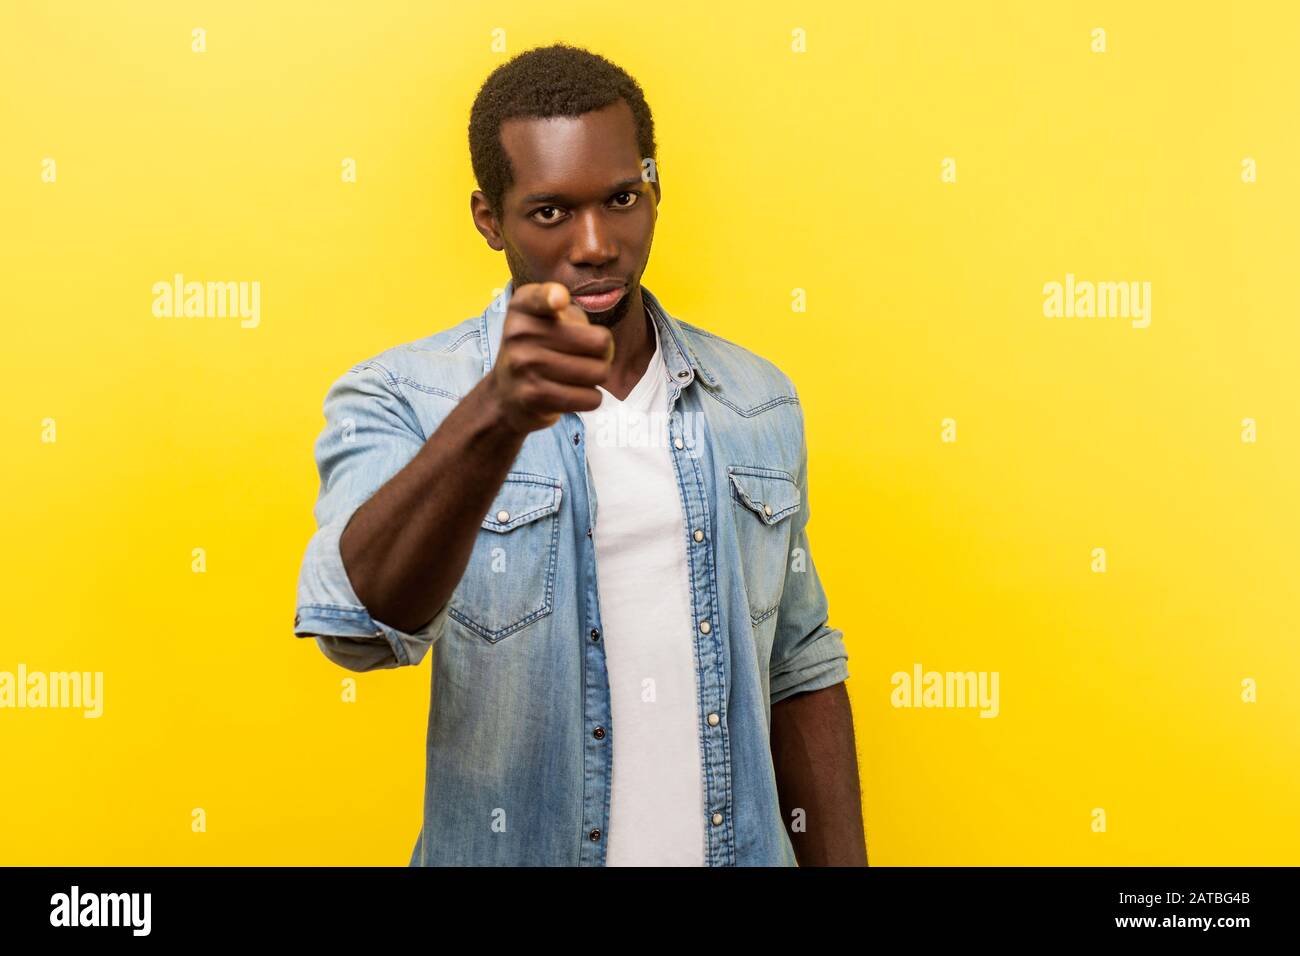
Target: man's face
<point>578,211</point>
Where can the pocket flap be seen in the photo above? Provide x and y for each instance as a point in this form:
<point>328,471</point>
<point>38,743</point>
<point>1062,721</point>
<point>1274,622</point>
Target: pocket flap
<point>523,498</point>
<point>770,494</point>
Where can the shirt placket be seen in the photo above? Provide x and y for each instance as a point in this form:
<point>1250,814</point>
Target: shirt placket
<point>597,757</point>
<point>709,632</point>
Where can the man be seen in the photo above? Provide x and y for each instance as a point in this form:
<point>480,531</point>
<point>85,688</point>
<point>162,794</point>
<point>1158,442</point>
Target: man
<point>631,658</point>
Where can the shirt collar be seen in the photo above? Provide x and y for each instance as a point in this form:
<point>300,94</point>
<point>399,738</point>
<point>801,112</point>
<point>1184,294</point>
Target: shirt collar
<point>679,357</point>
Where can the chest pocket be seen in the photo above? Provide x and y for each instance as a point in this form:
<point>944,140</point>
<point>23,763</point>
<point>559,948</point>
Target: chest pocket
<point>763,500</point>
<point>509,582</point>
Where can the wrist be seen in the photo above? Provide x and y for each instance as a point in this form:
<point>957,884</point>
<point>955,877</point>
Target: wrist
<point>494,419</point>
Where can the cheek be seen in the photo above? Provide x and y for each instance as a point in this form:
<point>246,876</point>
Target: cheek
<point>637,236</point>
<point>526,263</point>
<point>538,249</point>
<point>645,254</point>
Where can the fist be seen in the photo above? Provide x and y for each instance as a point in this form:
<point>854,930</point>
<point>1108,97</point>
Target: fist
<point>550,360</point>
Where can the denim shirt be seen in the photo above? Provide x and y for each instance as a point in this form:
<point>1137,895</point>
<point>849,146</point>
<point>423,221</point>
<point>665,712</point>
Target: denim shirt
<point>519,735</point>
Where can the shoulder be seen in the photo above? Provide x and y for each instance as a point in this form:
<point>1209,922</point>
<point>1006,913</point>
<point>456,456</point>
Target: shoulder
<point>763,422</point>
<point>724,352</point>
<point>738,368</point>
<point>446,363</point>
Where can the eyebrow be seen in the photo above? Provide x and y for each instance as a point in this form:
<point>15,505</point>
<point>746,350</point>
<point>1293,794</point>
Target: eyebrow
<point>621,186</point>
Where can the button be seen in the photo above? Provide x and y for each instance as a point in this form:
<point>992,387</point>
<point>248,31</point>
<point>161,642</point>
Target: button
<point>595,836</point>
<point>717,819</point>
<point>296,619</point>
<point>588,532</point>
<point>699,535</point>
<point>714,720</point>
<point>682,374</point>
<point>503,516</point>
<point>704,627</point>
<point>599,733</point>
<point>595,634</point>
<point>575,438</point>
<point>767,510</point>
<point>678,443</point>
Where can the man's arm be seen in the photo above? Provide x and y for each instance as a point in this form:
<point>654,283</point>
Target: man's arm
<point>356,581</point>
<point>407,546</point>
<point>398,514</point>
<point>813,751</point>
<point>815,758</point>
<point>548,364</point>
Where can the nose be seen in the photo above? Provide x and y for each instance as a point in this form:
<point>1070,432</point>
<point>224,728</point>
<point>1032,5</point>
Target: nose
<point>593,240</point>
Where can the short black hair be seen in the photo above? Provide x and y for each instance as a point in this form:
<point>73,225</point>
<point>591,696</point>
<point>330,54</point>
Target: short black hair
<point>556,80</point>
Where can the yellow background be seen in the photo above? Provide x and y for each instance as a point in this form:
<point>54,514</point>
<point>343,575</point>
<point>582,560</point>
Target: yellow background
<point>780,170</point>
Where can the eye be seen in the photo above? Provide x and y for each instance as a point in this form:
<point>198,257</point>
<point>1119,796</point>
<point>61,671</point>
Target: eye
<point>546,220</point>
<point>634,198</point>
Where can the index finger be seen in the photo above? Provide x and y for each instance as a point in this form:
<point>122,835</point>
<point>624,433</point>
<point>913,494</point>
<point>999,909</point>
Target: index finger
<point>548,300</point>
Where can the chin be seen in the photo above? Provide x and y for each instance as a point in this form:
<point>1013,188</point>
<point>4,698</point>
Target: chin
<point>612,317</point>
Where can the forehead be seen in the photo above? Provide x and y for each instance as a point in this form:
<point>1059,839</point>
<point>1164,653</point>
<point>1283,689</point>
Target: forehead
<point>571,153</point>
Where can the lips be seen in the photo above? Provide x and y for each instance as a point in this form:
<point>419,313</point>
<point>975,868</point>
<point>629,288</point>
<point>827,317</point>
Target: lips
<point>600,301</point>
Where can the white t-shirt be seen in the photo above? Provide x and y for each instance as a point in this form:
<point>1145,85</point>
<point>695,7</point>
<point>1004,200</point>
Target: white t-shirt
<point>657,815</point>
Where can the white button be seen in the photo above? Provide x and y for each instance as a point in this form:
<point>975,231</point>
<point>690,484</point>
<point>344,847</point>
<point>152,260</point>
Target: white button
<point>704,626</point>
<point>677,443</point>
<point>699,535</point>
<point>717,819</point>
<point>767,510</point>
<point>714,719</point>
<point>503,516</point>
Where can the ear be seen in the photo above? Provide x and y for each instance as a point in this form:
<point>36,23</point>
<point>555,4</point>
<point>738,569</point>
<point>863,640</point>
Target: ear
<point>485,221</point>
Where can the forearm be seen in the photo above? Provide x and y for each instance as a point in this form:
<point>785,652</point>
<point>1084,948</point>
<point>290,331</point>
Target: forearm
<point>406,548</point>
<point>815,758</point>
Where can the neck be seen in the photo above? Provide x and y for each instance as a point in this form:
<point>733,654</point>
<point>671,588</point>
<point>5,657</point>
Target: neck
<point>634,344</point>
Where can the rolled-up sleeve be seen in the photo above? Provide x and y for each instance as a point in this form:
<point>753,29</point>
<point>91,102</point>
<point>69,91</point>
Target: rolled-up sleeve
<point>370,434</point>
<point>807,652</point>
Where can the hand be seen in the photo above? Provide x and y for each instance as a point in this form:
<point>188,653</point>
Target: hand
<point>550,360</point>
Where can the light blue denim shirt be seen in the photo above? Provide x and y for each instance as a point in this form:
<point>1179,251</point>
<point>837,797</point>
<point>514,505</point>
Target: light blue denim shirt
<point>519,737</point>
